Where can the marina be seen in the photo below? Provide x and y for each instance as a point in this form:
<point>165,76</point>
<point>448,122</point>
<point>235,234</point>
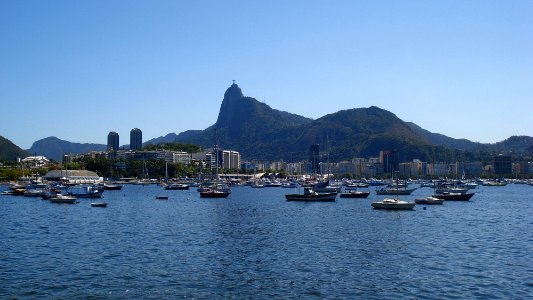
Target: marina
<point>255,240</point>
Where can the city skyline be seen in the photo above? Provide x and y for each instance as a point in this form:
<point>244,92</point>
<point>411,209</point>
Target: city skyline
<point>454,68</point>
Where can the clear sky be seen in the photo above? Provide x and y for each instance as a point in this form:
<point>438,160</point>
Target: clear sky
<point>79,69</point>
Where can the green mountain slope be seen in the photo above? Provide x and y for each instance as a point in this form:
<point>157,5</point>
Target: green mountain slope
<point>10,151</point>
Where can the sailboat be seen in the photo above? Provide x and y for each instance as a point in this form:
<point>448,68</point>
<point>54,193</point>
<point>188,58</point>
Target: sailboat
<point>218,189</point>
<point>393,203</point>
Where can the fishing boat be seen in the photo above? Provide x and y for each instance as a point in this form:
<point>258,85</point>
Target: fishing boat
<point>354,194</point>
<point>311,195</point>
<point>429,200</point>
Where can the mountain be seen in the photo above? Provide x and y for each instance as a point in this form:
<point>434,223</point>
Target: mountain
<point>442,140</point>
<point>258,131</point>
<point>522,145</point>
<point>10,151</point>
<point>55,148</point>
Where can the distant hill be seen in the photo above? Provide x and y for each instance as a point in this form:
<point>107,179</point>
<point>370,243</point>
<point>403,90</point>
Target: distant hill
<point>10,151</point>
<point>522,145</point>
<point>55,148</point>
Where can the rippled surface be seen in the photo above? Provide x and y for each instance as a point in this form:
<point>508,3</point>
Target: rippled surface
<point>256,245</point>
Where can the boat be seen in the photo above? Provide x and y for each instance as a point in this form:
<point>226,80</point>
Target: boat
<point>394,204</point>
<point>86,192</point>
<point>311,195</point>
<point>161,197</point>
<point>214,193</point>
<point>112,187</point>
<point>429,200</point>
<point>354,194</point>
<point>394,191</point>
<point>454,196</point>
<point>325,187</point>
<point>99,204</point>
<point>177,186</point>
<point>60,198</point>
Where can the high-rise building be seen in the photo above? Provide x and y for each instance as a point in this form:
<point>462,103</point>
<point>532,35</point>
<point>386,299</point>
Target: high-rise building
<point>502,164</point>
<point>390,161</point>
<point>136,139</point>
<point>314,158</point>
<point>112,141</point>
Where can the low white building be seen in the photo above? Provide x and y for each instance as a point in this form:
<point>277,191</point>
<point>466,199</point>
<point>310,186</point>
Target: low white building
<point>35,161</point>
<point>74,176</point>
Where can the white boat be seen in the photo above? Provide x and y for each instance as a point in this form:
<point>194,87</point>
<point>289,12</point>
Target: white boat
<point>393,203</point>
<point>59,198</point>
<point>429,200</point>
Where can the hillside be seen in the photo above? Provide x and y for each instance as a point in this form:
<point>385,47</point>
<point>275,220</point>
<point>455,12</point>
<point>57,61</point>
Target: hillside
<point>258,131</point>
<point>10,151</point>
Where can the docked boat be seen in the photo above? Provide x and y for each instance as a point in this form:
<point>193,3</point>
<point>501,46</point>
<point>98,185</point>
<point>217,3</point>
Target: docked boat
<point>311,195</point>
<point>354,194</point>
<point>393,204</point>
<point>67,199</point>
<point>454,196</point>
<point>99,204</point>
<point>429,200</point>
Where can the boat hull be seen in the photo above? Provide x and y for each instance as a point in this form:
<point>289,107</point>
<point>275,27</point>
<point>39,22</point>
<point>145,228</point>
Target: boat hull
<point>454,196</point>
<point>210,194</point>
<point>429,200</point>
<point>355,195</point>
<point>394,206</point>
<point>330,197</point>
<point>395,191</point>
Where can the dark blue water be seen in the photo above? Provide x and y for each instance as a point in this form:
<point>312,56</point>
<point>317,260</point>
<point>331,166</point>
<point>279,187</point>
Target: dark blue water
<point>256,245</point>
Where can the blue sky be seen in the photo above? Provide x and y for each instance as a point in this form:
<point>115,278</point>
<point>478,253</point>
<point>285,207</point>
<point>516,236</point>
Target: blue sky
<point>79,69</point>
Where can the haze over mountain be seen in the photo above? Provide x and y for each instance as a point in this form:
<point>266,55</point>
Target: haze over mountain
<point>258,131</point>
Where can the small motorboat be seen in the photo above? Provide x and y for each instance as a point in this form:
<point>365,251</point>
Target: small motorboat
<point>311,195</point>
<point>354,194</point>
<point>395,204</point>
<point>161,197</point>
<point>59,198</point>
<point>429,200</point>
<point>454,196</point>
<point>99,204</point>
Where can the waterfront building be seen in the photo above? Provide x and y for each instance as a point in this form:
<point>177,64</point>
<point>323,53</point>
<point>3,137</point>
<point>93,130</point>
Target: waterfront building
<point>35,162</point>
<point>314,158</point>
<point>112,141</point>
<point>502,165</point>
<point>136,139</point>
<point>74,176</point>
